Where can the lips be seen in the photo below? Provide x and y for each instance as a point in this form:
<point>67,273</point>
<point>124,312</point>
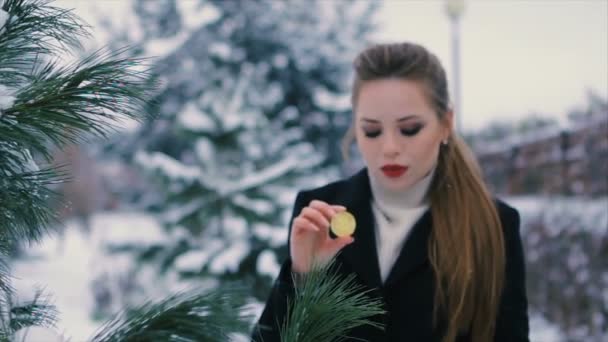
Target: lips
<point>394,170</point>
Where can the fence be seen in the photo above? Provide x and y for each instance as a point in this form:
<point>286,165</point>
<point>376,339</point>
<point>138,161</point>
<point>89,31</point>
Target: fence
<point>564,162</point>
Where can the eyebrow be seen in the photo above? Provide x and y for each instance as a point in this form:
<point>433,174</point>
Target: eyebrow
<point>398,120</point>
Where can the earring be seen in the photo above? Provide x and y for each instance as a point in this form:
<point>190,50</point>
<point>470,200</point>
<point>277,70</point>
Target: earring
<point>445,142</point>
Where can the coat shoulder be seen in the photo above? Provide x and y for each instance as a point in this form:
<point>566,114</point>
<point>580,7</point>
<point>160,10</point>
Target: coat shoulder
<point>509,218</point>
<point>327,192</point>
<point>505,210</point>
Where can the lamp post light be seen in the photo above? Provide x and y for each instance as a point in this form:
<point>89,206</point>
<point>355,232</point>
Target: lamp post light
<point>454,10</point>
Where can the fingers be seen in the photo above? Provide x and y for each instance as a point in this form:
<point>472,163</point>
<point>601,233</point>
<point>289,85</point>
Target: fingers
<point>316,217</point>
<point>326,209</point>
<point>302,224</point>
<point>339,208</point>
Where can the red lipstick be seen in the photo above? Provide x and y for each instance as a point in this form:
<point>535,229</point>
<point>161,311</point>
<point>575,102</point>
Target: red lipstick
<point>394,170</point>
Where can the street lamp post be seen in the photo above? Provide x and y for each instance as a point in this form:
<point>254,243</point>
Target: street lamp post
<point>454,10</point>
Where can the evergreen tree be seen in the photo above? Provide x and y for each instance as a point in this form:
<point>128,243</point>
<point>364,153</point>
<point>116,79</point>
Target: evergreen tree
<point>253,105</point>
<point>43,106</point>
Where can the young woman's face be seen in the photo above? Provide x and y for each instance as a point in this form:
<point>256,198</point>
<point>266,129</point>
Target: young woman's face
<point>398,132</point>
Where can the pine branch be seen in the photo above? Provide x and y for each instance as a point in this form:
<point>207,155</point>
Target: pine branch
<point>5,276</point>
<point>24,198</point>
<point>186,316</point>
<point>35,313</point>
<point>326,306</point>
<point>52,104</point>
<point>47,31</point>
<point>63,103</point>
<point>57,105</point>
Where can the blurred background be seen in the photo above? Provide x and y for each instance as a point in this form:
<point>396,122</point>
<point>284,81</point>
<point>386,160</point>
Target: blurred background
<point>253,103</point>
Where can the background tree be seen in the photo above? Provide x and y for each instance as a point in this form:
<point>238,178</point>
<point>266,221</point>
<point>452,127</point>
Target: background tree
<point>44,105</point>
<point>254,102</point>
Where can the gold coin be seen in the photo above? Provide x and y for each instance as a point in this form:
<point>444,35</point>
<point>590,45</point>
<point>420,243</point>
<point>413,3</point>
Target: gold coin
<point>343,224</point>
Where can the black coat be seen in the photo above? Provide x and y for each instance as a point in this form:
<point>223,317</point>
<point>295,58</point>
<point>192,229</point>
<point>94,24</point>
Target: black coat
<point>408,290</point>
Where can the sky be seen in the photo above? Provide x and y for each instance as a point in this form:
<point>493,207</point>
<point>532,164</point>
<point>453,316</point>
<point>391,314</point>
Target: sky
<point>517,56</point>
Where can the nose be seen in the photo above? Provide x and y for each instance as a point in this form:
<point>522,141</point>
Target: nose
<point>390,146</point>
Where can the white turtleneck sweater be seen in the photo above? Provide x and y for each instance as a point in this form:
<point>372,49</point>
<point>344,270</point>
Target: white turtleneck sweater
<point>395,214</point>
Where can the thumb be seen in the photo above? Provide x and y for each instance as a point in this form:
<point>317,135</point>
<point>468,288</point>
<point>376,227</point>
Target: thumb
<point>342,242</point>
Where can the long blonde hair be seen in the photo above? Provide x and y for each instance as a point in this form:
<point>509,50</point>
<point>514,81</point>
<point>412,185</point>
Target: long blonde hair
<point>466,247</point>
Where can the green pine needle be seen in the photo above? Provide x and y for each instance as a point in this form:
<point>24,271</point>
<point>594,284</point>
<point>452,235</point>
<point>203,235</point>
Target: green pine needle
<point>5,276</point>
<point>326,306</point>
<point>186,316</point>
<point>25,215</point>
<point>89,97</point>
<point>49,31</point>
<point>35,313</point>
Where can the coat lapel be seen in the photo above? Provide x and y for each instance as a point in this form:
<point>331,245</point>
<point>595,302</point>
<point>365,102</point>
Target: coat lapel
<point>362,255</point>
<point>414,252</point>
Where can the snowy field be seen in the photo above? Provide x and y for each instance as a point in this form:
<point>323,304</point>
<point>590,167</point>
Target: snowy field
<point>66,267</point>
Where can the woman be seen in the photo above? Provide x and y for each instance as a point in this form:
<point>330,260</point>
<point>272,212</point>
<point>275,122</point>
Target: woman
<point>444,256</point>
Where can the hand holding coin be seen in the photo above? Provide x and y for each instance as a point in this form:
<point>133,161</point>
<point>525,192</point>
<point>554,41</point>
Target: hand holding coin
<point>310,241</point>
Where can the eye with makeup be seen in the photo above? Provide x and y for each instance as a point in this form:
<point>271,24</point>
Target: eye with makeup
<point>412,130</point>
<point>406,131</point>
<point>372,133</point>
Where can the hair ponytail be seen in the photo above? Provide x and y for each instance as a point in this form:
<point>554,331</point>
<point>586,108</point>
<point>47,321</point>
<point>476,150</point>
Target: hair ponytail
<point>466,247</point>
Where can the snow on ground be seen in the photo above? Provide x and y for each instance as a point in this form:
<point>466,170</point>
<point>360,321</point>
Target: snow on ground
<point>542,330</point>
<point>583,214</point>
<point>64,267</point>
